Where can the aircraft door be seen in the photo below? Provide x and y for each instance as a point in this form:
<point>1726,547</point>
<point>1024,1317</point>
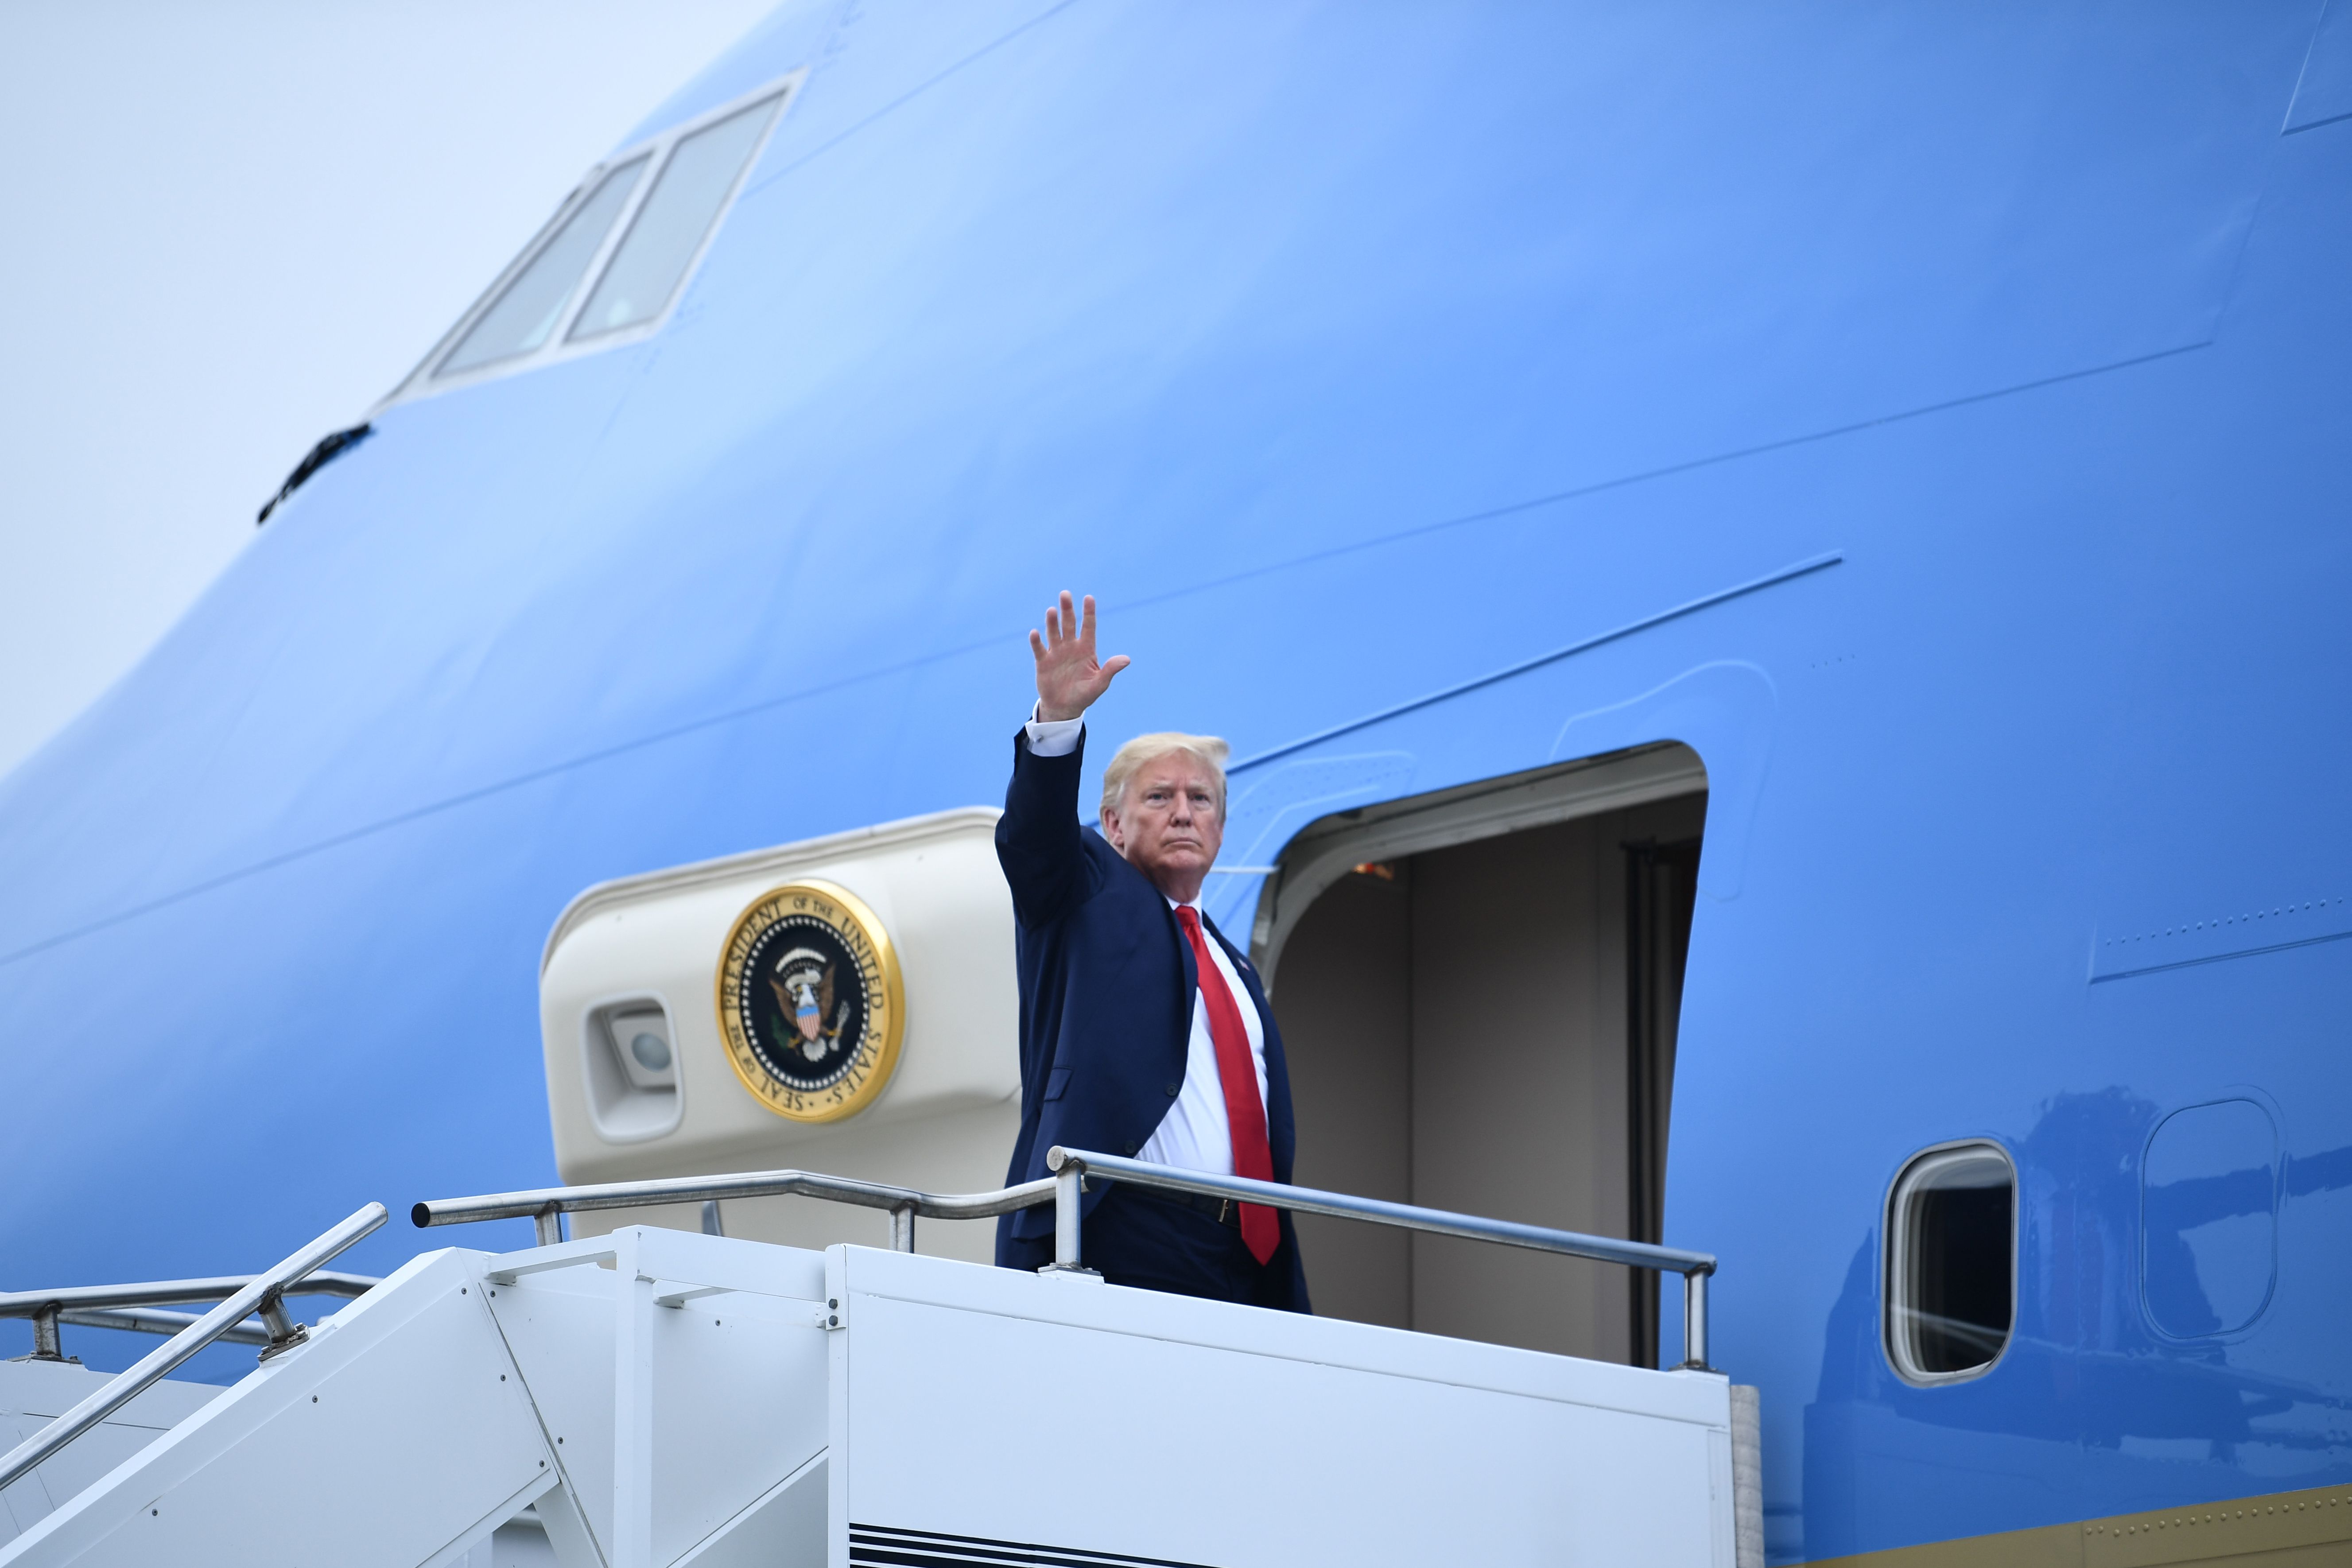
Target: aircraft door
<point>1487,1023</point>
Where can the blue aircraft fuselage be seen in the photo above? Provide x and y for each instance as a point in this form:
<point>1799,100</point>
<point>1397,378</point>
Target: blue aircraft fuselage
<point>1934,415</point>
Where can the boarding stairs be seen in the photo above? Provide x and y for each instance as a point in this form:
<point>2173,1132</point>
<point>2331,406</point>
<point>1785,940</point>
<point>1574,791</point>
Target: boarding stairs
<point>655,1398</point>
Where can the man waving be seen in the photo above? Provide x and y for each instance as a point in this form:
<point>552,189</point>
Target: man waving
<point>1143,1032</point>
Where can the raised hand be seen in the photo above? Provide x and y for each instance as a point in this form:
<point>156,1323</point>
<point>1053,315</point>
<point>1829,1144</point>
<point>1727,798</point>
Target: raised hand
<point>1068,679</point>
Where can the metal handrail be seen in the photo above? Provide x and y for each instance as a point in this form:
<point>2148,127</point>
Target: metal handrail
<point>544,1205</point>
<point>155,1320</point>
<point>1072,1166</point>
<point>172,1292</point>
<point>262,1294</point>
<point>93,1306</point>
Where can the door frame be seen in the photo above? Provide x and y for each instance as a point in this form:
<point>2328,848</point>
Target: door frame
<point>1329,848</point>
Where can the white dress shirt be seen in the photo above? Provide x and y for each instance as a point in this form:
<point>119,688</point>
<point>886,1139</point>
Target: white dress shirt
<point>1195,1134</point>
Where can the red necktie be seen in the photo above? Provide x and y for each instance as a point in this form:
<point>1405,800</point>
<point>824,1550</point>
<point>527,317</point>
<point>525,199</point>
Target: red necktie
<point>1261,1232</point>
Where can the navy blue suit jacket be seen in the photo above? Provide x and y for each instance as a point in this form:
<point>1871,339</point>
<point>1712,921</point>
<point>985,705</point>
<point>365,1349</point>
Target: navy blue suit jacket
<point>1106,987</point>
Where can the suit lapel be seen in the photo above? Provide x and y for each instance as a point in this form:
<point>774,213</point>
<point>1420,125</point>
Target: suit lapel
<point>1249,975</point>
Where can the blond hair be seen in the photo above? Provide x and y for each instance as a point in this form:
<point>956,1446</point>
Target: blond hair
<point>1209,750</point>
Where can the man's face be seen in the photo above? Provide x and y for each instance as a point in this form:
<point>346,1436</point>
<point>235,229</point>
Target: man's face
<point>1166,823</point>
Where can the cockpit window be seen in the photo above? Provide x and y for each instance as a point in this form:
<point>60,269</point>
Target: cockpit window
<point>672,222</point>
<point>616,255</point>
<point>524,316</point>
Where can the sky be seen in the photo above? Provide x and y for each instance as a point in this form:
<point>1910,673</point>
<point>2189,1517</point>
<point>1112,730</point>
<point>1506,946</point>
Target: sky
<point>231,228</point>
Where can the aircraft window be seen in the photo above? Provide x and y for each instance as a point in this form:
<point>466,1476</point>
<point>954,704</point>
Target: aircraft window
<point>2209,1211</point>
<point>672,222</point>
<point>533,302</point>
<point>1950,1262</point>
<point>615,255</point>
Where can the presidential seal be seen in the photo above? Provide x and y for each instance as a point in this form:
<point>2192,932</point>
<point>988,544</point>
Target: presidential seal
<point>810,1002</point>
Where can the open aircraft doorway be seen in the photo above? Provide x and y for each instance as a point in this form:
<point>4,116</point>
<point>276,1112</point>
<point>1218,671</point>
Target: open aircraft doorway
<point>1478,991</point>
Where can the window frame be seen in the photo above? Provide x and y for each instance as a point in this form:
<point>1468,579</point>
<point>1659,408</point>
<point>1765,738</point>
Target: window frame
<point>1332,843</point>
<point>589,186</point>
<point>422,382</point>
<point>2261,1102</point>
<point>1894,1231</point>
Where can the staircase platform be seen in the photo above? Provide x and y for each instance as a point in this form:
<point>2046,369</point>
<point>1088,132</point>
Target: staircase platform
<point>655,1398</point>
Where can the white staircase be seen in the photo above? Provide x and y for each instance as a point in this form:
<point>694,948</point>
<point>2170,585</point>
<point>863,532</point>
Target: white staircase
<point>655,1398</point>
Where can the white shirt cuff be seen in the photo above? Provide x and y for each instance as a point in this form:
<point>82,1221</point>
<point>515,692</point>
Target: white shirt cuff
<point>1053,736</point>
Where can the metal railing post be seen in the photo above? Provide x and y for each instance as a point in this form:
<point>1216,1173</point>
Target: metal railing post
<point>1069,1182</point>
<point>548,1224</point>
<point>902,1228</point>
<point>285,1333</point>
<point>46,1344</point>
<point>1694,1322</point>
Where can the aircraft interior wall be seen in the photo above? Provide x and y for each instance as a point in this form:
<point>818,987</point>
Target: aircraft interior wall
<point>1488,1026</point>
